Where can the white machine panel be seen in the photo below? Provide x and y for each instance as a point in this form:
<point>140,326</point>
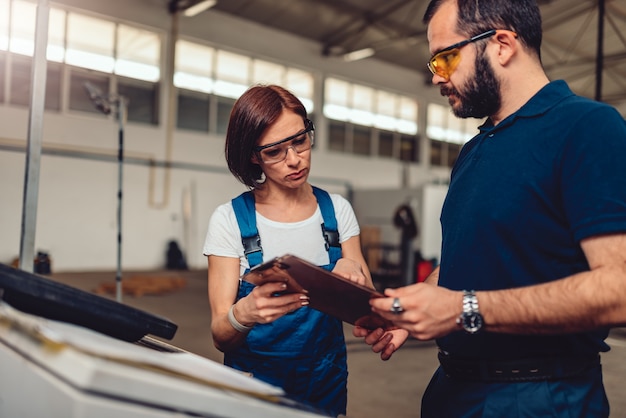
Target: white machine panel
<point>55,369</point>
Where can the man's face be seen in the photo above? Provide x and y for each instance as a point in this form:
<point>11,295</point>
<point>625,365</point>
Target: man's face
<point>479,95</point>
<point>472,89</point>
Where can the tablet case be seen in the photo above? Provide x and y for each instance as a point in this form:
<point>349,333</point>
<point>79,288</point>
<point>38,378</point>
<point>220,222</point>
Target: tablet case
<point>328,292</point>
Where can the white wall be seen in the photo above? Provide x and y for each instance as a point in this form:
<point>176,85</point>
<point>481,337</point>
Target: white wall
<point>76,216</point>
<point>433,196</point>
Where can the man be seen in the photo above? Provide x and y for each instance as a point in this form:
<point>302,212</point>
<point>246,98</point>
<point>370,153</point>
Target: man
<point>534,222</point>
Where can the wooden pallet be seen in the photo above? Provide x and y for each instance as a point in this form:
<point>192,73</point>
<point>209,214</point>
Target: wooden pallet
<point>140,285</point>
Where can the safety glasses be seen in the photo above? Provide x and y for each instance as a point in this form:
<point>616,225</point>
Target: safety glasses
<point>444,62</point>
<point>277,151</point>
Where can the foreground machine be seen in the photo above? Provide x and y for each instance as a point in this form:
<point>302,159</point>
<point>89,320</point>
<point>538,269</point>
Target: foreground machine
<point>68,353</point>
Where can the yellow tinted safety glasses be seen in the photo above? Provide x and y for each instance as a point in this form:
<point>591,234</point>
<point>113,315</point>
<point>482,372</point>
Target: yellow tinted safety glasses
<point>444,62</point>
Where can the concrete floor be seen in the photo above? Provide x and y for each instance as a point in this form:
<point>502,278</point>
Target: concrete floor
<point>375,388</point>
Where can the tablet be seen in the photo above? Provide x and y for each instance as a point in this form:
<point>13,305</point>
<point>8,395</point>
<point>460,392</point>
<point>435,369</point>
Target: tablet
<point>327,291</point>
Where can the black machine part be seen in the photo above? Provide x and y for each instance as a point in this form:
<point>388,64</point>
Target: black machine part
<point>39,296</point>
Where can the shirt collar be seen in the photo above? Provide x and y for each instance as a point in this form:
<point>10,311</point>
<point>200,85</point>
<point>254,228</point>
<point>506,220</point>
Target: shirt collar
<point>545,99</point>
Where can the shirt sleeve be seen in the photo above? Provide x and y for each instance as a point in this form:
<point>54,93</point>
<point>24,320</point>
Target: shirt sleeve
<point>223,236</point>
<point>594,174</point>
<point>346,219</point>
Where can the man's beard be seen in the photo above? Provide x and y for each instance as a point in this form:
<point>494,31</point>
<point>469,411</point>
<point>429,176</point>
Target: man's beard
<point>480,96</point>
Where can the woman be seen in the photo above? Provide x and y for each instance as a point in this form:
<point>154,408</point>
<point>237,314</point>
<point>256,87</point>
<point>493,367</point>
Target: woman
<point>279,339</point>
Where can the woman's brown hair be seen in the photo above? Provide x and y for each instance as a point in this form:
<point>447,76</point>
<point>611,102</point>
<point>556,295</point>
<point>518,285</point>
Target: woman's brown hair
<point>256,110</point>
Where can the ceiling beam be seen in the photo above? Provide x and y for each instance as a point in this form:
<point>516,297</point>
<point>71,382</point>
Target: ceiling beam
<point>363,20</point>
<point>611,59</point>
<point>190,7</point>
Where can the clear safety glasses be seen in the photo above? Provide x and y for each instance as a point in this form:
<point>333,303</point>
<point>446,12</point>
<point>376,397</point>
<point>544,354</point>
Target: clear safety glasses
<point>277,151</point>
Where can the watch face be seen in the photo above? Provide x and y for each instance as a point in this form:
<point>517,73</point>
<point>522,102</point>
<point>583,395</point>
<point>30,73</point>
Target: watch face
<point>472,322</point>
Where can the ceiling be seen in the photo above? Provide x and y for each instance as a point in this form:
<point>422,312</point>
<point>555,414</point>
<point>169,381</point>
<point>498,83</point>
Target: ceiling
<point>395,32</point>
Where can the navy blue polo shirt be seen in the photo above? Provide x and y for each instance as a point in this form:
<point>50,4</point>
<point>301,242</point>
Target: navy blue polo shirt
<point>522,196</point>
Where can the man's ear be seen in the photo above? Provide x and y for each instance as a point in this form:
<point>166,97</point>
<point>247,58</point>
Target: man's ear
<point>508,46</point>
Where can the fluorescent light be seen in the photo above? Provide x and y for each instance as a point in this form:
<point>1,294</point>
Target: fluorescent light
<point>359,54</point>
<point>199,7</point>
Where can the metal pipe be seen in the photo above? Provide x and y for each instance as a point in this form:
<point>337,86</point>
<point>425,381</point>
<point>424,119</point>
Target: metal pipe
<point>600,50</point>
<point>172,109</point>
<point>121,116</point>
<point>35,139</point>
<point>152,163</point>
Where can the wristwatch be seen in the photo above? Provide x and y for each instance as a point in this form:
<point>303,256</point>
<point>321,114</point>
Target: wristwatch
<point>471,320</point>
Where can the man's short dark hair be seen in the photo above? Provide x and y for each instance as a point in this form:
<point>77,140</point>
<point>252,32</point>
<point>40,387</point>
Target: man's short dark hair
<point>478,16</point>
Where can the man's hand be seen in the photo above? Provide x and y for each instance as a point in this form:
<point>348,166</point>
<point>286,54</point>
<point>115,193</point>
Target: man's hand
<point>429,311</point>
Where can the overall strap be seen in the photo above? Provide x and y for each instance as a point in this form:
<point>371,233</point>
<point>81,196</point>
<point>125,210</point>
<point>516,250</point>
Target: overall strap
<point>330,230</point>
<point>243,205</point>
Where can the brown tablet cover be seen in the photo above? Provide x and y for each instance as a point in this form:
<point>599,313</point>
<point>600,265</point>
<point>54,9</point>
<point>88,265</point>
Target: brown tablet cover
<point>328,292</point>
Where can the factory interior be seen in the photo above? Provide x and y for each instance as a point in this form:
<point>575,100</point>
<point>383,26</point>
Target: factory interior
<point>113,117</point>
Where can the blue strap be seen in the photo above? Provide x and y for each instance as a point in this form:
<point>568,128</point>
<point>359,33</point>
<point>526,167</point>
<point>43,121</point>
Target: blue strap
<point>329,227</point>
<point>243,205</point>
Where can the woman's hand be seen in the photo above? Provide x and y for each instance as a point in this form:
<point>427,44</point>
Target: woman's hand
<point>265,304</point>
<point>385,342</point>
<point>351,270</point>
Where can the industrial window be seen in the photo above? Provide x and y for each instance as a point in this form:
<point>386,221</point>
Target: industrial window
<point>361,140</point>
<point>369,113</point>
<point>53,86</point>
<point>3,59</point>
<point>385,144</point>
<point>20,18</point>
<point>447,134</point>
<point>437,152</point>
<point>109,47</point>
<point>132,54</point>
<point>198,111</point>
<point>231,74</point>
<point>194,67</point>
<point>224,107</point>
<point>300,83</point>
<point>141,96</point>
<point>224,76</point>
<point>193,110</point>
<point>119,55</point>
<point>453,153</point>
<point>4,25</point>
<point>409,150</point>
<point>407,116</point>
<point>90,43</point>
<point>21,83</point>
<point>336,135</point>
<point>444,153</point>
<point>57,22</point>
<point>79,99</point>
<point>442,125</point>
<point>267,72</point>
<point>138,53</point>
<point>22,27</point>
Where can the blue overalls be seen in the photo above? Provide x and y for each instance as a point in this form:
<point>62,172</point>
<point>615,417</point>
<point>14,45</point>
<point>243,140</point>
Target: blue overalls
<point>304,352</point>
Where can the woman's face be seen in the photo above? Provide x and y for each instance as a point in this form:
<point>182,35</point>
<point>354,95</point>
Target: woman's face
<point>282,163</point>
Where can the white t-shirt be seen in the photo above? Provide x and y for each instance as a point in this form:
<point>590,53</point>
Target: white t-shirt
<point>303,238</point>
